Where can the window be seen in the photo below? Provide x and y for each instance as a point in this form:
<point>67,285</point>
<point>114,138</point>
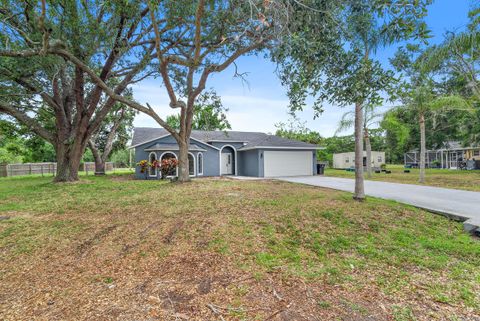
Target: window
<point>476,152</point>
<point>379,159</point>
<point>191,165</point>
<point>347,160</point>
<point>152,171</point>
<point>200,164</point>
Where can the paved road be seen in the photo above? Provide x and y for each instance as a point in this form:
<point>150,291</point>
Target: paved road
<point>456,204</point>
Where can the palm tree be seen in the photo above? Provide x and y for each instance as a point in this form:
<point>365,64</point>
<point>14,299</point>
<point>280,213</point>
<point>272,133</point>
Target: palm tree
<point>370,118</point>
<point>459,53</point>
<point>423,101</point>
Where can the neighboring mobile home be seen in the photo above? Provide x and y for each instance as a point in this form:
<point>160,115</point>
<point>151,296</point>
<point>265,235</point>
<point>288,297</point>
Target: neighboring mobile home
<point>217,153</point>
<point>347,160</point>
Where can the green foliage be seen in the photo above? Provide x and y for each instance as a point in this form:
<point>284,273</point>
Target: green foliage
<point>445,111</point>
<point>209,114</point>
<point>397,135</point>
<point>121,158</point>
<point>295,129</point>
<point>336,66</point>
<point>8,157</point>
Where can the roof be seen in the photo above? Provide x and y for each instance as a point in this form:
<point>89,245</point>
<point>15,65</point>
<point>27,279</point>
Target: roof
<point>251,140</point>
<point>449,146</point>
<point>156,147</point>
<point>353,153</point>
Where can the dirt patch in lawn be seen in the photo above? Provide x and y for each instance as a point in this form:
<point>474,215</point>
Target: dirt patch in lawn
<point>237,250</point>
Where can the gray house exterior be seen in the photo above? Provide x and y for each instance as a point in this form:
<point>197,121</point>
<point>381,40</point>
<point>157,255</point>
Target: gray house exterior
<point>218,153</point>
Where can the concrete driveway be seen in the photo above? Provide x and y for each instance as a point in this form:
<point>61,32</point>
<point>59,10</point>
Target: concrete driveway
<point>456,204</point>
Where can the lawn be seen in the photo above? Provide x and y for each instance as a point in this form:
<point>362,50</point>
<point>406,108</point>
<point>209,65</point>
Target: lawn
<point>109,248</point>
<point>459,179</point>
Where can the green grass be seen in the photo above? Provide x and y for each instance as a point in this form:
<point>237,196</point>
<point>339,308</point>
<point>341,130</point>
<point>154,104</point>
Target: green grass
<point>457,179</point>
<point>162,237</point>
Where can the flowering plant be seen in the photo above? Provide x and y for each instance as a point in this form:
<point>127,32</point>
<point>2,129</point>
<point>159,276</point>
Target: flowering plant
<point>143,164</point>
<point>168,166</point>
<point>155,164</point>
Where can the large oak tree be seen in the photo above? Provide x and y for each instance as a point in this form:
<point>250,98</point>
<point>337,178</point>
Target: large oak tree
<point>39,81</point>
<point>193,40</point>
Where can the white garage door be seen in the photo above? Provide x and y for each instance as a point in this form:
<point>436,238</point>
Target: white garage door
<point>283,163</point>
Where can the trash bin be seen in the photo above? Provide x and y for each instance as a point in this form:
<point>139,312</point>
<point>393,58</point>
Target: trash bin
<point>320,169</point>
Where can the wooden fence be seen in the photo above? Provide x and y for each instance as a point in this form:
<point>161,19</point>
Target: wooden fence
<point>45,169</point>
<point>89,167</point>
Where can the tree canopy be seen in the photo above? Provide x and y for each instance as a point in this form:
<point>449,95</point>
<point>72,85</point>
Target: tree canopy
<point>209,114</point>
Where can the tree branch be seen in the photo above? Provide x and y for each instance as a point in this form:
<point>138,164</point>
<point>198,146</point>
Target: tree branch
<point>111,93</point>
<point>26,120</point>
<point>163,67</point>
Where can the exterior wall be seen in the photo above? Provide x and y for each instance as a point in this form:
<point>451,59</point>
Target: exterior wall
<point>473,153</point>
<point>211,158</point>
<point>340,160</point>
<point>249,163</point>
<point>375,158</point>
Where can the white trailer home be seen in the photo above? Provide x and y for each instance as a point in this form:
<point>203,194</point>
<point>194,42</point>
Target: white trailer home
<point>347,160</point>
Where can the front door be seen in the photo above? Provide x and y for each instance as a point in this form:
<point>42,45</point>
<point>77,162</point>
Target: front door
<point>227,168</point>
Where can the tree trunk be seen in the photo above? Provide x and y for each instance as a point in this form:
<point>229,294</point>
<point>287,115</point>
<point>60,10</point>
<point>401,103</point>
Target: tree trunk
<point>183,175</point>
<point>422,149</point>
<point>67,167</point>
<point>99,162</point>
<point>99,167</point>
<point>368,147</point>
<point>359,184</point>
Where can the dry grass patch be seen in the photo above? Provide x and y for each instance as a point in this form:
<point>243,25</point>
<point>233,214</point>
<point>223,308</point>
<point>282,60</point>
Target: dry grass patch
<point>242,250</point>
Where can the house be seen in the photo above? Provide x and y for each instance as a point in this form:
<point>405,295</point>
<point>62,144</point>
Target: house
<point>347,160</point>
<point>452,155</point>
<point>217,153</point>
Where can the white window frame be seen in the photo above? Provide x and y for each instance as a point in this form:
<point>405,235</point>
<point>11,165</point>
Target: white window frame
<point>200,155</point>
<point>149,160</point>
<point>379,159</point>
<point>176,157</point>
<point>194,165</point>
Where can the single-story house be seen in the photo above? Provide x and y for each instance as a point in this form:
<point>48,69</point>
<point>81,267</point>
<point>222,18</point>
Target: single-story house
<point>347,160</point>
<point>452,155</point>
<point>217,153</point>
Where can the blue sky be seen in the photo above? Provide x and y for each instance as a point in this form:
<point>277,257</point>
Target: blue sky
<point>261,102</point>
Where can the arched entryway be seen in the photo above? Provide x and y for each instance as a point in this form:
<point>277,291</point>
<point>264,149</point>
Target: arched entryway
<point>228,160</point>
<point>168,155</point>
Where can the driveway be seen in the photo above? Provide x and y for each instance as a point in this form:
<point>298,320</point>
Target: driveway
<point>456,204</point>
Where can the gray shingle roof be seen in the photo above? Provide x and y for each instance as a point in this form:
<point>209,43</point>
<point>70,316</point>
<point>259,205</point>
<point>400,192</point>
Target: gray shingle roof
<point>251,139</point>
<point>193,147</point>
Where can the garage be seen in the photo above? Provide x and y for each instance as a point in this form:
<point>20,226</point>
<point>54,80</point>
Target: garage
<point>287,163</point>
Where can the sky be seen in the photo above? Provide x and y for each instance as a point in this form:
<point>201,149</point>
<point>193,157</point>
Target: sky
<point>261,102</point>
